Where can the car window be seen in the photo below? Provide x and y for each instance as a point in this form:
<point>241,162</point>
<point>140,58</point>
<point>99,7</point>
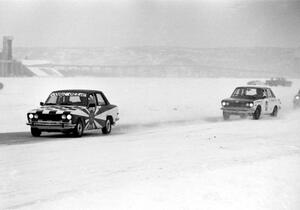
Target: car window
<point>248,92</point>
<point>74,99</point>
<point>67,98</point>
<point>52,100</point>
<point>265,94</point>
<point>91,99</point>
<point>271,94</point>
<point>100,99</point>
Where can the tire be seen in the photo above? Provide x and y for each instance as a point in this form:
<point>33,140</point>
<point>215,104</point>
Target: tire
<point>256,114</point>
<point>226,116</point>
<point>78,130</point>
<point>275,112</point>
<point>107,128</point>
<point>35,132</point>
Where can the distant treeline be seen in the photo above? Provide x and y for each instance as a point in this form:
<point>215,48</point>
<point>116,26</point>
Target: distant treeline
<point>170,71</point>
<point>171,61</point>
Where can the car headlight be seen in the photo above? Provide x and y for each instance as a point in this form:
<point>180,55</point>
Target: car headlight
<point>297,97</point>
<point>69,117</point>
<point>30,116</point>
<point>225,103</point>
<point>36,116</point>
<point>250,104</point>
<point>63,117</point>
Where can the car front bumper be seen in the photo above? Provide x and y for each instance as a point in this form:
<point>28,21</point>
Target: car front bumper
<point>52,125</point>
<point>238,110</point>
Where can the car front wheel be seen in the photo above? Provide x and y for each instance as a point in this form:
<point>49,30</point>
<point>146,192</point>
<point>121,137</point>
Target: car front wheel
<point>78,130</point>
<point>275,112</point>
<point>107,128</point>
<point>257,113</point>
<point>35,132</point>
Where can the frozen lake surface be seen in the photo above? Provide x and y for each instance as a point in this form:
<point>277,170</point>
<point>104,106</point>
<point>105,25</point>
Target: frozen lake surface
<point>170,150</point>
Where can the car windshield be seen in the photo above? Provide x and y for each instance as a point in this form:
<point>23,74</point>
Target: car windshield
<point>67,98</point>
<point>248,93</point>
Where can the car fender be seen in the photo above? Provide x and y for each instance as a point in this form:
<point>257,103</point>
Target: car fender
<point>261,103</point>
<point>258,102</point>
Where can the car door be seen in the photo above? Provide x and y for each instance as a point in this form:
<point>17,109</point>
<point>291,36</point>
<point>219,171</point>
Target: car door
<point>272,100</point>
<point>265,102</point>
<point>102,107</point>
<point>92,109</point>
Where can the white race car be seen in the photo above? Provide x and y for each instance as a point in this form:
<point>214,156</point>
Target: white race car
<point>251,100</point>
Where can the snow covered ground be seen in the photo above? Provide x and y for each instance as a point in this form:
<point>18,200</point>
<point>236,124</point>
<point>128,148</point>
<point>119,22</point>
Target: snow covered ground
<point>171,150</point>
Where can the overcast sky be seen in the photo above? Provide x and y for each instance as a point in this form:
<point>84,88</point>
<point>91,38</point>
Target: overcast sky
<point>185,23</point>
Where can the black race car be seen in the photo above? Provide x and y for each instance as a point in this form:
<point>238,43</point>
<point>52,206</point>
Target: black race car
<point>73,111</point>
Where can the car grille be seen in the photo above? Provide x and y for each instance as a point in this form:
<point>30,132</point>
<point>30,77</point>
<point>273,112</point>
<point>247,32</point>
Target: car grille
<point>50,117</point>
<point>237,104</point>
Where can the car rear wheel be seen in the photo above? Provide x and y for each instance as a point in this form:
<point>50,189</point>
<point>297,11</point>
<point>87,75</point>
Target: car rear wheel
<point>256,114</point>
<point>35,132</point>
<point>78,130</point>
<point>275,112</point>
<point>226,116</point>
<point>107,128</point>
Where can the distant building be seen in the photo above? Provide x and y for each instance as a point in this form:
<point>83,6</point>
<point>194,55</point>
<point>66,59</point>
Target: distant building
<point>41,68</point>
<point>7,48</point>
<point>8,66</point>
<point>12,68</point>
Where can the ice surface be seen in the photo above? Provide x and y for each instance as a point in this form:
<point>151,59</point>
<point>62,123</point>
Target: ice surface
<point>142,101</point>
<point>170,150</point>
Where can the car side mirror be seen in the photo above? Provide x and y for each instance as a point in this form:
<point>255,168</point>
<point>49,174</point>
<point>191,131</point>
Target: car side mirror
<point>42,103</point>
<point>91,105</point>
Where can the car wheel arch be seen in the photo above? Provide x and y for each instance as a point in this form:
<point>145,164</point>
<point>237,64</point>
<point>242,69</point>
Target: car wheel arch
<point>109,117</point>
<point>258,107</point>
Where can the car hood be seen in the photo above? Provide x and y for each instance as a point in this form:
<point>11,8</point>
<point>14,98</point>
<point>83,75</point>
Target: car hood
<point>55,109</point>
<point>238,100</point>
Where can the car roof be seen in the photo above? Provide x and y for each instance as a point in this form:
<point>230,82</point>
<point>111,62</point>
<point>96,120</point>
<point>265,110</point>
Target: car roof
<point>277,77</point>
<point>79,90</point>
<point>254,86</point>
